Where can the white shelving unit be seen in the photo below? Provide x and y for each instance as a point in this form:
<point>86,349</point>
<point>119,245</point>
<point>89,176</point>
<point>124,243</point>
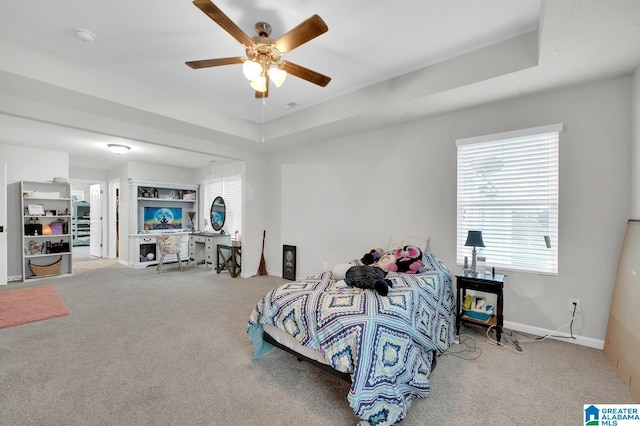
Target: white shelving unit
<point>81,223</point>
<point>147,196</point>
<point>46,228</point>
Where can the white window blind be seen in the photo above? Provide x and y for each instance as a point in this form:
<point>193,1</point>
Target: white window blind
<point>230,189</point>
<point>508,189</point>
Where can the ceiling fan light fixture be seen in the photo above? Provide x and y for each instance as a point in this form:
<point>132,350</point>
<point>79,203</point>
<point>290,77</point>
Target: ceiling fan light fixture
<point>118,149</point>
<point>259,84</point>
<point>277,75</point>
<point>251,69</point>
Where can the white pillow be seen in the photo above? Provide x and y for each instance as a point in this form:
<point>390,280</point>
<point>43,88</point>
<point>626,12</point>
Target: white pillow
<point>398,241</point>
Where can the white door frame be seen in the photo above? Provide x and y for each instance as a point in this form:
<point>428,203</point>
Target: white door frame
<point>96,215</point>
<point>3,223</point>
<point>113,187</point>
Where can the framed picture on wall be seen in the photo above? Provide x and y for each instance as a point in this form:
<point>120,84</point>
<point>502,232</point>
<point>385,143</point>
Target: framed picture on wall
<point>289,262</point>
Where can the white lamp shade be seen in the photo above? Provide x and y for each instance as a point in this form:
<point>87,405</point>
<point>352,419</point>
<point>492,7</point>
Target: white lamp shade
<point>251,70</point>
<point>277,76</point>
<point>259,84</point>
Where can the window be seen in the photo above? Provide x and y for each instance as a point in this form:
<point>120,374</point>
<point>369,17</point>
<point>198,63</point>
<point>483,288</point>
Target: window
<point>227,183</point>
<point>508,189</point>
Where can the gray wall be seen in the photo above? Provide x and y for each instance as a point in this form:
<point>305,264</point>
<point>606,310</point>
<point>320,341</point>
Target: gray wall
<point>337,200</point>
<point>635,147</point>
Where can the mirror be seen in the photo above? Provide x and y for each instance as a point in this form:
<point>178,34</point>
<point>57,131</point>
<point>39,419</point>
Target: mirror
<point>218,213</point>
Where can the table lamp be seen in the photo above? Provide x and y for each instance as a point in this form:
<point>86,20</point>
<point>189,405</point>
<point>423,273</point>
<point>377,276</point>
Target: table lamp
<point>474,239</point>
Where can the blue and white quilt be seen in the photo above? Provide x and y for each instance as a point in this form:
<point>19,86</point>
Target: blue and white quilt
<point>386,343</point>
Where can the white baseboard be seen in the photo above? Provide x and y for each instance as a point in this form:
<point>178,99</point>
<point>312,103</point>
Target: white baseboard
<point>579,340</point>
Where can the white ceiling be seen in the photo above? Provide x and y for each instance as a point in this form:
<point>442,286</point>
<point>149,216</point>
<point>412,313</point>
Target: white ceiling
<point>389,63</point>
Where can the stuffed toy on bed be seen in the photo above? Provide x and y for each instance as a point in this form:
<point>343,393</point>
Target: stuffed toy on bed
<point>371,257</point>
<point>408,260</point>
<point>365,276</point>
<point>368,276</point>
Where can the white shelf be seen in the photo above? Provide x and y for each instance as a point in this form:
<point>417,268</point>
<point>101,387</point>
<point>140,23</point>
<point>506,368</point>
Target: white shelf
<point>58,199</point>
<point>27,216</point>
<point>38,199</point>
<point>46,236</point>
<point>33,256</point>
<point>178,200</point>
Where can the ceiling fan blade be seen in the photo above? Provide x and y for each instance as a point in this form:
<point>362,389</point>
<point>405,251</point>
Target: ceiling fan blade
<point>213,12</point>
<point>305,73</point>
<point>305,31</point>
<point>205,63</point>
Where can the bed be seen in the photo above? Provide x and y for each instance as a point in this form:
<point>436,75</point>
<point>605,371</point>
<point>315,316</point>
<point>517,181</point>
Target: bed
<point>385,345</point>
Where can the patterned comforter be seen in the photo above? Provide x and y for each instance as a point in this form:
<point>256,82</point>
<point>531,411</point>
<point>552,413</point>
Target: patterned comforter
<point>386,343</point>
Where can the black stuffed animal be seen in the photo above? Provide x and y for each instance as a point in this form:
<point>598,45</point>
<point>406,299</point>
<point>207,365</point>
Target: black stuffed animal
<point>371,257</point>
<point>367,276</point>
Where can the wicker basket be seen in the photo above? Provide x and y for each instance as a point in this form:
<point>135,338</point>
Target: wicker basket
<point>44,270</point>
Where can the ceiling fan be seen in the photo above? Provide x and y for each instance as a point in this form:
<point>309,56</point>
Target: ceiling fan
<point>263,61</point>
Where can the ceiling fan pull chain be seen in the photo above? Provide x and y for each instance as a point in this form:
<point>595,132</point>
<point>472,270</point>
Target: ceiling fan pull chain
<point>264,102</point>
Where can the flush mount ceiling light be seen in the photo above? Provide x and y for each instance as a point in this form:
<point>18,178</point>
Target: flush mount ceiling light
<point>85,35</point>
<point>263,62</point>
<point>118,149</point>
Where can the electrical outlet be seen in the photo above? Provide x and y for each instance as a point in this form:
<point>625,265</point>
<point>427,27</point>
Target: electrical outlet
<point>325,266</point>
<point>577,302</point>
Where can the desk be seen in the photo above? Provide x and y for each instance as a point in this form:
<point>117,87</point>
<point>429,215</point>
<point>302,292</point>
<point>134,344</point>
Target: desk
<point>485,283</point>
<point>143,250</point>
<point>202,247</point>
<point>231,257</point>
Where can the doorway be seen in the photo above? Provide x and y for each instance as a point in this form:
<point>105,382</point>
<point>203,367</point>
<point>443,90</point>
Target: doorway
<point>87,221</point>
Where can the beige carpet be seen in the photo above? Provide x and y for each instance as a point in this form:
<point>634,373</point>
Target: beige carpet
<point>142,348</point>
<point>30,305</point>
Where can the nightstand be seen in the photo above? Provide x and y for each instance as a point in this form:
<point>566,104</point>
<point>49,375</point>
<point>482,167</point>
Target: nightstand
<point>486,283</point>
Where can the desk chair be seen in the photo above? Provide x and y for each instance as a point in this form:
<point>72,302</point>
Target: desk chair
<point>169,244</point>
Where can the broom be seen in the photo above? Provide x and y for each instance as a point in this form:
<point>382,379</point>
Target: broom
<point>262,268</point>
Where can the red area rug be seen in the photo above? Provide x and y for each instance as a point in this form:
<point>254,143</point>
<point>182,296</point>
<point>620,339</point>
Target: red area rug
<point>30,305</point>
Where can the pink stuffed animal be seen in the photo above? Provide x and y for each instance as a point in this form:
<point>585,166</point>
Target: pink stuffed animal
<point>408,260</point>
